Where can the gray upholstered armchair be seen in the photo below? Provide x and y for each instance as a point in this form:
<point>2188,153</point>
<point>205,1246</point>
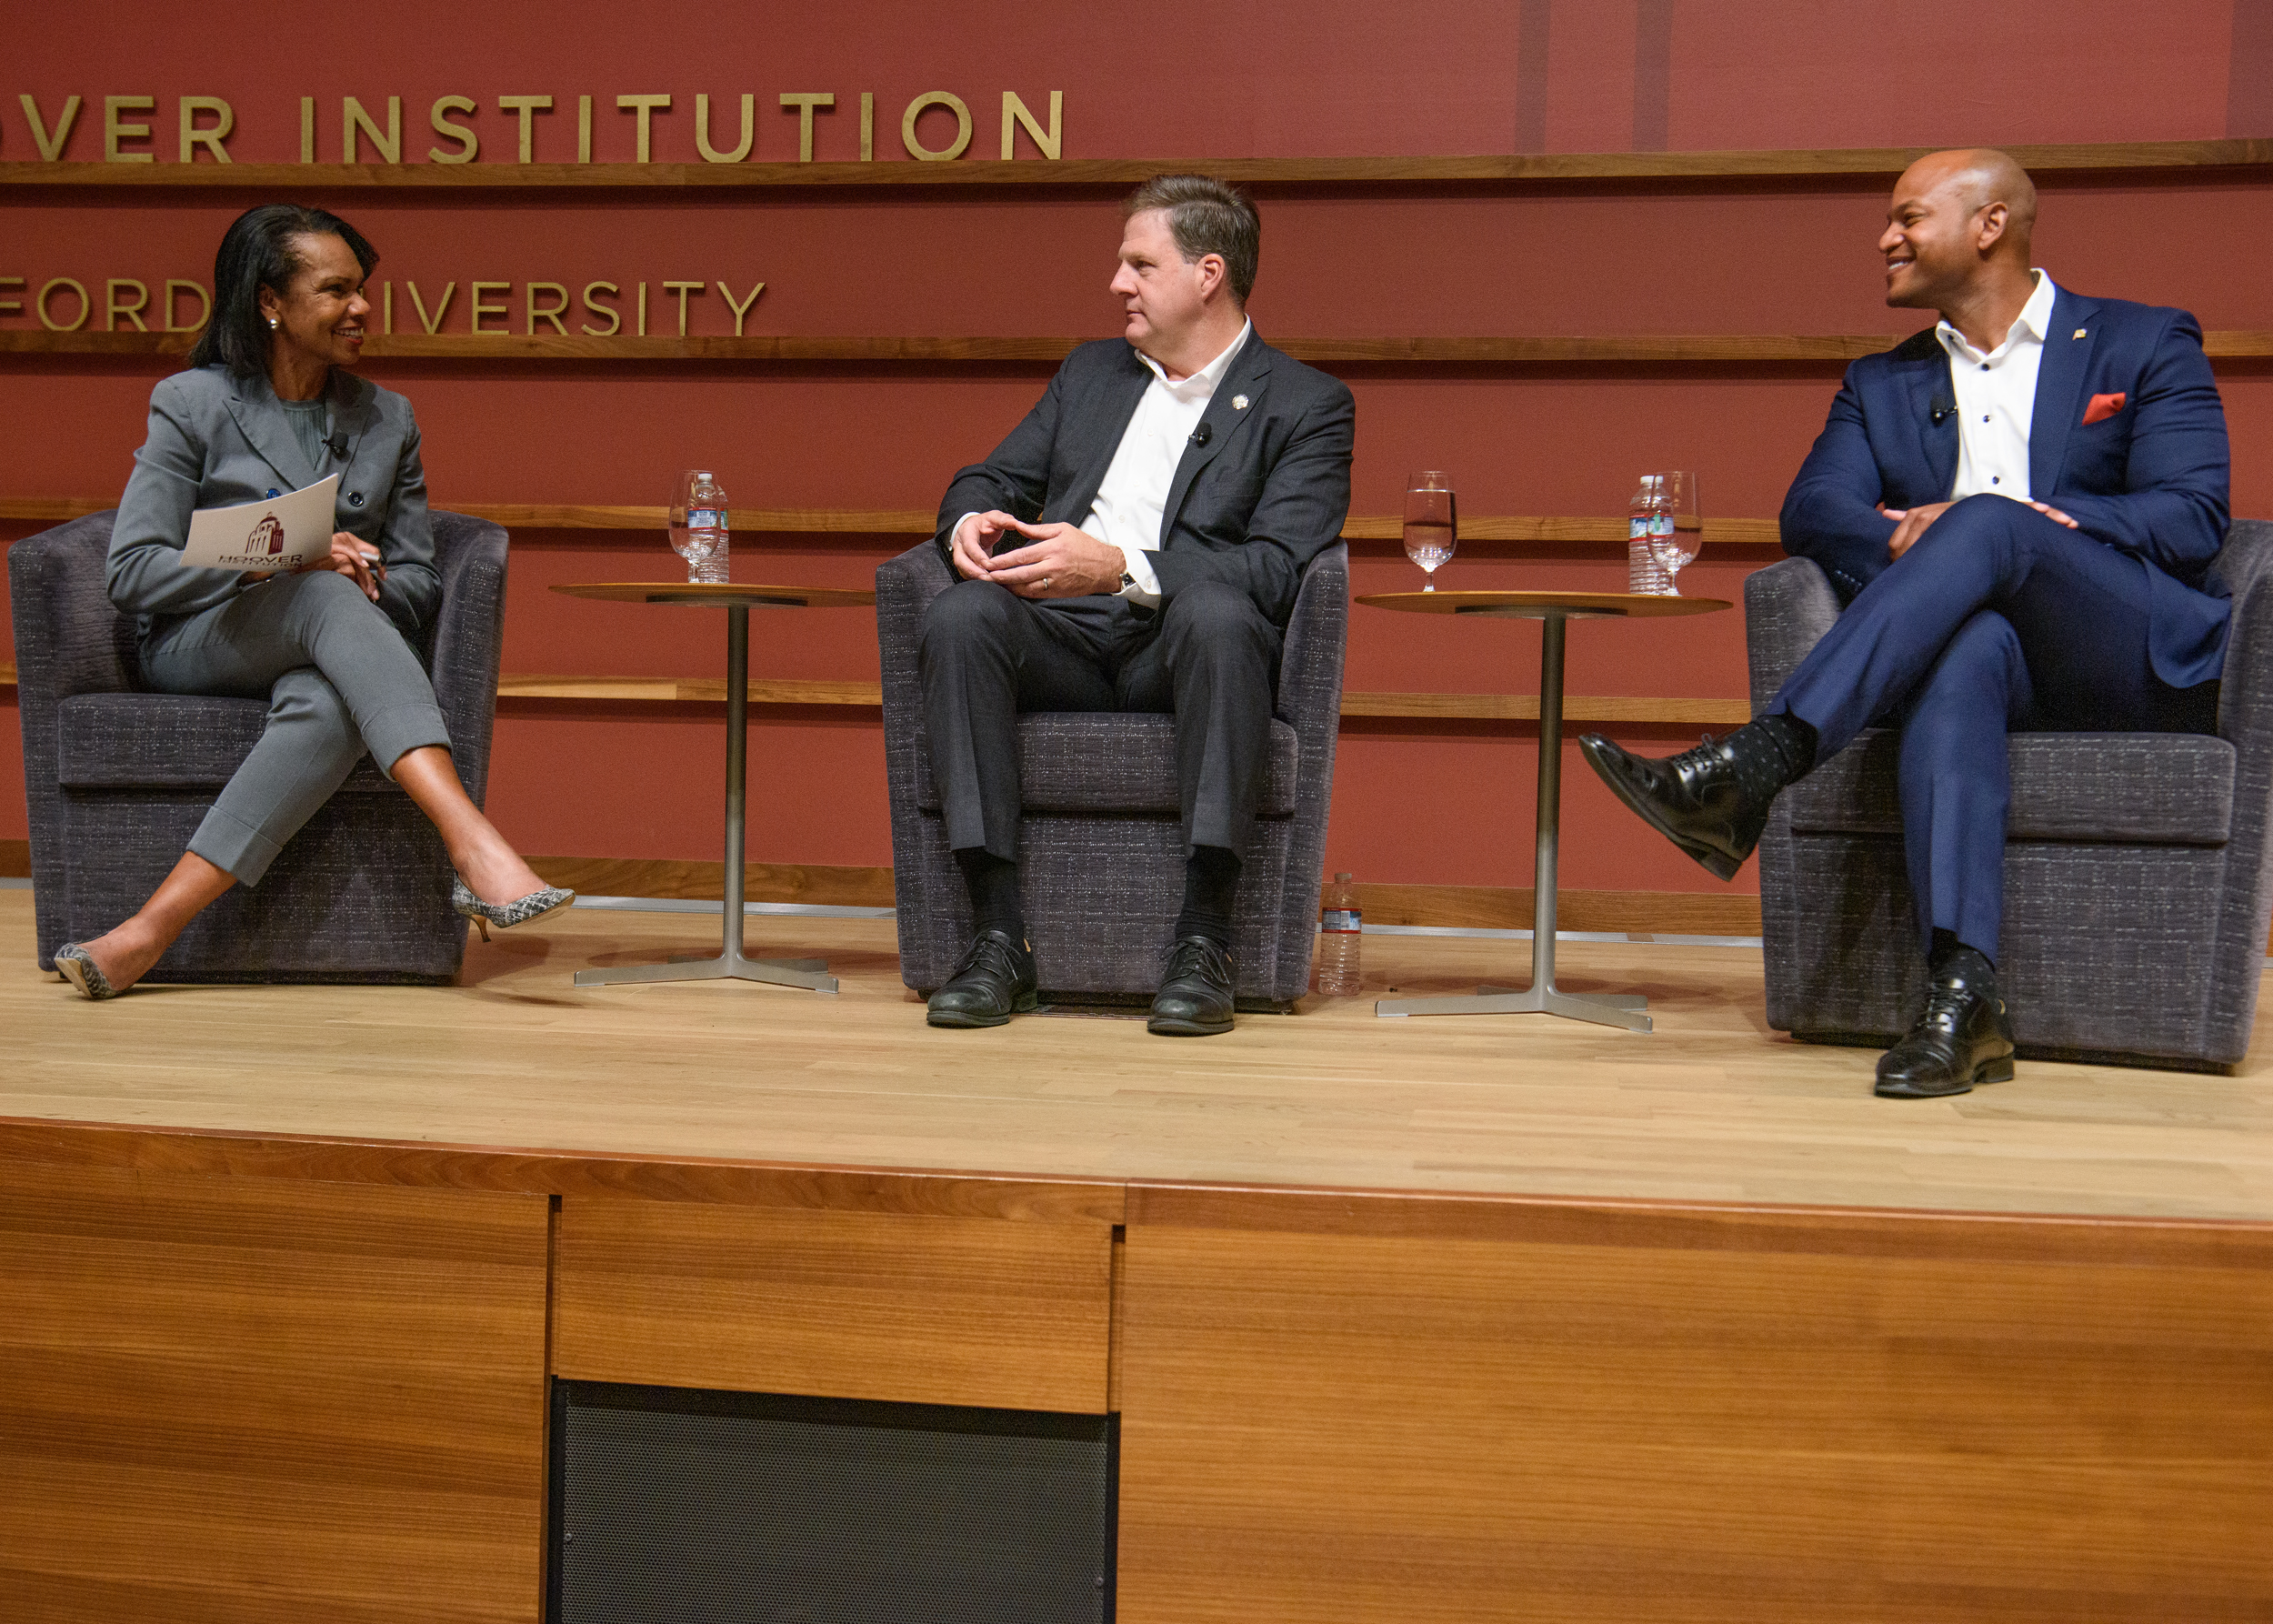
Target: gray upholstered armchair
<point>2137,888</point>
<point>1101,864</point>
<point>118,779</point>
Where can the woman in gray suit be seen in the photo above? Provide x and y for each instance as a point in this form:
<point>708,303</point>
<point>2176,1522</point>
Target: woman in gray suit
<point>267,407</point>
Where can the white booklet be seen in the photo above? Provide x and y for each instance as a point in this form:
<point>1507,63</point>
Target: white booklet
<point>279,533</point>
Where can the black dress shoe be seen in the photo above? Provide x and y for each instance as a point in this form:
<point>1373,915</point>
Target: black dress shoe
<point>1195,996</point>
<point>1963,1038</point>
<point>993,981</point>
<point>1711,801</point>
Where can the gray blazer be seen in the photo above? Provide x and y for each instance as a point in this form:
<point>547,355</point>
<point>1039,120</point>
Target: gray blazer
<point>216,439</point>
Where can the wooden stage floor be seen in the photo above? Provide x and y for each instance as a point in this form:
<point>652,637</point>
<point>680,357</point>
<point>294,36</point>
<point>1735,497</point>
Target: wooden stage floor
<point>1711,1108</point>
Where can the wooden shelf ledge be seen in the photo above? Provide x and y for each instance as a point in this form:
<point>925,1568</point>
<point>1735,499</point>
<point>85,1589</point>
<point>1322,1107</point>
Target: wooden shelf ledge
<point>668,180</point>
<point>1409,706</point>
<point>914,522</point>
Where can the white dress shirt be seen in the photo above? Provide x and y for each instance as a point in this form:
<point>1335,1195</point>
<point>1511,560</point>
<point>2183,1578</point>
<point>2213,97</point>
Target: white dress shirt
<point>1996,400</point>
<point>1136,489</point>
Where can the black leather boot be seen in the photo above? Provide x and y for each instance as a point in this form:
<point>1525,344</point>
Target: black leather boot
<point>1964,1037</point>
<point>1195,997</point>
<point>993,981</point>
<point>1711,801</point>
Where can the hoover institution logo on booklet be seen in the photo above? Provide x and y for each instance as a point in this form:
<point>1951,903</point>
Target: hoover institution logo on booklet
<point>278,533</point>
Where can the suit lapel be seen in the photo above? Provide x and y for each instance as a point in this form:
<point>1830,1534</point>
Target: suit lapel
<point>2067,362</point>
<point>1248,376</point>
<point>254,405</point>
<point>352,415</point>
<point>1107,423</point>
<point>1934,409</point>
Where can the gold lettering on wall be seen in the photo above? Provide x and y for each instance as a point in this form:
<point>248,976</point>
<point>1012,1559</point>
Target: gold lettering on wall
<point>49,322</point>
<point>805,101</point>
<point>614,320</point>
<point>469,143</point>
<point>476,309</point>
<point>209,136</point>
<point>441,308</point>
<point>1015,113</point>
<point>11,306</point>
<point>527,108</point>
<point>867,125</point>
<point>916,109</point>
<point>112,309</point>
<point>583,129</point>
<point>643,310</point>
<point>50,146</point>
<point>647,106</point>
<point>551,312</point>
<point>711,155</point>
<point>116,129</point>
<point>740,310</point>
<point>387,306</point>
<point>683,289</point>
<point>353,118</point>
<point>307,129</point>
<point>175,288</point>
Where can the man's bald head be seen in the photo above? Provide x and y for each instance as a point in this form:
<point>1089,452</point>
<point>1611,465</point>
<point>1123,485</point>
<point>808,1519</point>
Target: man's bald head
<point>1960,221</point>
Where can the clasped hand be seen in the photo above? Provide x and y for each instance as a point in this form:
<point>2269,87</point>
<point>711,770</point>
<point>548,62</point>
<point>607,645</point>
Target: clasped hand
<point>1059,561</point>
<point>1910,523</point>
<point>351,555</point>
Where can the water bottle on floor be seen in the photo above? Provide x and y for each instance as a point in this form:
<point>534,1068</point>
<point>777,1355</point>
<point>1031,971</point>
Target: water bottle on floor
<point>698,527</point>
<point>1339,921</point>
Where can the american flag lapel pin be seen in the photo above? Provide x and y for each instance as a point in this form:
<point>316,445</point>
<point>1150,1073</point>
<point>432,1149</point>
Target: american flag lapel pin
<point>2079,332</point>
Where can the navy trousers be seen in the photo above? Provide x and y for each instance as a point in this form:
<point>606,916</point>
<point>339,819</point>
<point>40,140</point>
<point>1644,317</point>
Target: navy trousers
<point>1997,620</point>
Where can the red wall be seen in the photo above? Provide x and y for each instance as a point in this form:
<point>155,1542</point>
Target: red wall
<point>1445,805</point>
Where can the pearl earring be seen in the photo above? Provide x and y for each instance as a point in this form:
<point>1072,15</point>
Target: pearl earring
<point>272,324</point>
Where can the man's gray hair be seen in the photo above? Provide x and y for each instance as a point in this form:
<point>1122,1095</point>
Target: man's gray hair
<point>1205,215</point>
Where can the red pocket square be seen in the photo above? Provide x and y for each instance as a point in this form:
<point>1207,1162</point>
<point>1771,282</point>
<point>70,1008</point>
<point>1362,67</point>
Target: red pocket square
<point>2102,408</point>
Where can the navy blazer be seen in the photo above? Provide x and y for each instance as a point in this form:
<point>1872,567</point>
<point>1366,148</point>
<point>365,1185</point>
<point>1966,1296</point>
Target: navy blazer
<point>1252,506</point>
<point>2149,480</point>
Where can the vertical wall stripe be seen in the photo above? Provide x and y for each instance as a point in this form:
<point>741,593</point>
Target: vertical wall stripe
<point>2250,76</point>
<point>1653,73</point>
<point>1531,39</point>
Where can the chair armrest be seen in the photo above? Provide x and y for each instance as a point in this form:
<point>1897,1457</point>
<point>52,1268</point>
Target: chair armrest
<point>69,638</point>
<point>468,639</point>
<point>1787,607</point>
<point>1318,636</point>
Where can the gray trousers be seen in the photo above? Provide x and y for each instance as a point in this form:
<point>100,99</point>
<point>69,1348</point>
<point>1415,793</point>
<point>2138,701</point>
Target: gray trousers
<point>1210,658</point>
<point>338,677</point>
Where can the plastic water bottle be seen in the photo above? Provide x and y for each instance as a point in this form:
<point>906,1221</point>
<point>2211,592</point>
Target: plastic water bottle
<point>1649,516</point>
<point>1339,922</point>
<point>699,528</point>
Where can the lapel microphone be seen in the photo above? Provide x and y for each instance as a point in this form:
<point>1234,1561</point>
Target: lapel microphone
<point>1203,434</point>
<point>337,444</point>
<point>1941,406</point>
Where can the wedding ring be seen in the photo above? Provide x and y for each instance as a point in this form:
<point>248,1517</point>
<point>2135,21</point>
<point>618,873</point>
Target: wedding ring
<point>1046,581</point>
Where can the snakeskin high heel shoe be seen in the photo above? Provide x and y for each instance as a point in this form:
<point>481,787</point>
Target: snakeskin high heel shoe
<point>504,916</point>
<point>75,965</point>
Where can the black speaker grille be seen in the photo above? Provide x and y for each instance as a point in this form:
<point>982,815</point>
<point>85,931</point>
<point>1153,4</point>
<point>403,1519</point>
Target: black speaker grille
<point>673,1505</point>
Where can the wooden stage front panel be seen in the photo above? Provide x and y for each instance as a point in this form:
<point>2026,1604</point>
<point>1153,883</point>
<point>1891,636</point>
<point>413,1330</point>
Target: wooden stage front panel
<point>1646,1417</point>
<point>848,1305</point>
<point>246,1402</point>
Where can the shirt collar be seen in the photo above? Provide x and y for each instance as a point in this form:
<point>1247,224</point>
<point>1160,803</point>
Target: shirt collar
<point>1204,381</point>
<point>2033,323</point>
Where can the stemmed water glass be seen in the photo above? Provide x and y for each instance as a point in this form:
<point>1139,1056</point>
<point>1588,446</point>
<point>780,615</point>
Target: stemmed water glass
<point>1431,524</point>
<point>1678,532</point>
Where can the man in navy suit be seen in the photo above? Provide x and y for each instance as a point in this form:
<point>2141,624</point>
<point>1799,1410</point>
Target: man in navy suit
<point>2019,508</point>
<point>1136,544</point>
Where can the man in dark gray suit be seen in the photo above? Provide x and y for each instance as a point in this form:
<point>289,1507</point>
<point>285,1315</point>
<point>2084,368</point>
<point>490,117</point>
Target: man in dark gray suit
<point>1136,545</point>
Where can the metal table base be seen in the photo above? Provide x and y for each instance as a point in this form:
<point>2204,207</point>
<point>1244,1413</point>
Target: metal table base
<point>731,963</point>
<point>1542,996</point>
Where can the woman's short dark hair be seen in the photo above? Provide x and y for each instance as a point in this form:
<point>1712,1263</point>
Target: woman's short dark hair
<point>1205,215</point>
<point>260,249</point>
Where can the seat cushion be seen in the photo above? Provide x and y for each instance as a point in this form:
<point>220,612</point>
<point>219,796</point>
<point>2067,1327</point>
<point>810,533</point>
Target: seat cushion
<point>1109,761</point>
<point>166,741</point>
<point>2135,789</point>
